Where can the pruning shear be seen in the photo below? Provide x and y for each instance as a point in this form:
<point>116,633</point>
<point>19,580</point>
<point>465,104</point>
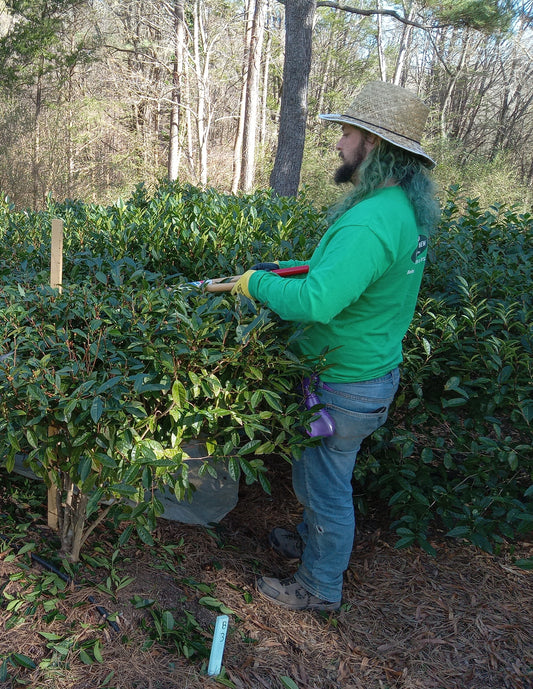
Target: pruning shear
<point>226,284</point>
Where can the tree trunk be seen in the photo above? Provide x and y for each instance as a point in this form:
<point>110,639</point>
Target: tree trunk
<point>202,77</point>
<point>188,119</point>
<point>239,137</point>
<point>264,95</point>
<point>445,105</point>
<point>72,519</point>
<point>36,153</point>
<point>177,85</point>
<point>252,97</point>
<point>407,32</point>
<point>285,177</point>
<point>381,51</point>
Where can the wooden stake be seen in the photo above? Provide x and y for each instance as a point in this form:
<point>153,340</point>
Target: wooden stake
<point>56,257</point>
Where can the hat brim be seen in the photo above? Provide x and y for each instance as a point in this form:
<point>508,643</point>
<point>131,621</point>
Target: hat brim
<point>393,138</point>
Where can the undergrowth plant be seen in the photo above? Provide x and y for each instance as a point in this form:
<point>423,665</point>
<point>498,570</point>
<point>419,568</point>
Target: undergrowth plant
<point>458,453</point>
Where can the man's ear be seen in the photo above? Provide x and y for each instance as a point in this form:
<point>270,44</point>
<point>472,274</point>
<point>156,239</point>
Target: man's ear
<point>371,141</point>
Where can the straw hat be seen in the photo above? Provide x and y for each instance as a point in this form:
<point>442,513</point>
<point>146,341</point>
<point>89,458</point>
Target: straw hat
<point>392,112</point>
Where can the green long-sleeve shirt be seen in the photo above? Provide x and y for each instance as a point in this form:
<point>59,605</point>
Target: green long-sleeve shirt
<point>359,296</point>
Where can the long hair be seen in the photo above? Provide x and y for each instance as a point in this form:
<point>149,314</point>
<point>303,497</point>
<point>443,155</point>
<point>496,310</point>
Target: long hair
<point>387,162</point>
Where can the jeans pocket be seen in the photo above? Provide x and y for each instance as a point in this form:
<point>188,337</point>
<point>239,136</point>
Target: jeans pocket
<point>352,427</point>
<point>358,409</point>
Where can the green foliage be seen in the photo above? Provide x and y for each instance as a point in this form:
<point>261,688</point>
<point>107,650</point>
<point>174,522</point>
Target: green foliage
<point>130,363</point>
<point>487,16</point>
<point>32,47</point>
<point>16,660</point>
<point>109,380</point>
<point>179,231</point>
<point>182,634</point>
<point>460,456</point>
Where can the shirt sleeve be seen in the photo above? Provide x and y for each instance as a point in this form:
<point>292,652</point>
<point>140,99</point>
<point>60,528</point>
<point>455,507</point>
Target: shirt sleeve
<point>347,260</point>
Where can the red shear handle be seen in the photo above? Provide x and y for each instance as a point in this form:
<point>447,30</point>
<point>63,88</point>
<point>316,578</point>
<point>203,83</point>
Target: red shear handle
<point>293,270</point>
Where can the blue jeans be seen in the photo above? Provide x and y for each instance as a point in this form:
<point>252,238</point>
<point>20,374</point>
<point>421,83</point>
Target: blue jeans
<point>322,480</point>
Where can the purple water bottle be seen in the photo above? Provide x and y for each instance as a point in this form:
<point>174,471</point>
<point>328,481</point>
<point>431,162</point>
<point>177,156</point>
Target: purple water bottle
<point>322,425</point>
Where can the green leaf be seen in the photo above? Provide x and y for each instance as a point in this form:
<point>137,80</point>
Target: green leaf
<point>482,542</point>
<point>404,542</point>
<point>234,468</point>
<point>144,535</point>
<point>426,455</point>
<point>458,532</point>
<point>525,564</point>
<point>97,408</point>
<point>105,460</point>
<point>452,383</point>
<point>254,372</point>
<point>50,637</point>
<point>211,602</point>
<point>125,535</point>
<point>23,661</point>
<point>512,459</point>
<point>86,658</point>
<point>288,682</point>
<point>124,489</point>
<point>249,447</point>
<point>256,398</point>
<point>505,374</point>
<point>419,497</point>
<point>426,546</point>
<point>167,621</point>
<point>97,650</point>
<point>84,468</point>
<point>25,548</point>
<point>265,484</point>
<point>179,394</point>
<point>140,603</point>
<point>108,384</point>
<point>526,407</point>
<point>454,402</point>
<point>448,460</point>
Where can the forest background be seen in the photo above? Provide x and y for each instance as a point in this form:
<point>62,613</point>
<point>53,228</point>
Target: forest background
<point>100,95</point>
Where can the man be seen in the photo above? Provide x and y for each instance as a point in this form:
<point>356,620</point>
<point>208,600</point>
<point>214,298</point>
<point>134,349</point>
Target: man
<point>356,304</point>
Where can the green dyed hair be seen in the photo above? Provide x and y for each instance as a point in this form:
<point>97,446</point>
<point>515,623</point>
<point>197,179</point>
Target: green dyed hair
<point>386,162</point>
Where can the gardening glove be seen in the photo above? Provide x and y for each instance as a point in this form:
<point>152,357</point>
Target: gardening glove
<point>241,286</point>
<point>265,266</point>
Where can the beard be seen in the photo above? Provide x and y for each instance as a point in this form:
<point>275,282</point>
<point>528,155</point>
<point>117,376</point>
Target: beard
<point>347,172</point>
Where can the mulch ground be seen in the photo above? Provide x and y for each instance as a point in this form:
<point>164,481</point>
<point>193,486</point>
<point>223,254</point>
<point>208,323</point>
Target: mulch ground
<point>461,620</point>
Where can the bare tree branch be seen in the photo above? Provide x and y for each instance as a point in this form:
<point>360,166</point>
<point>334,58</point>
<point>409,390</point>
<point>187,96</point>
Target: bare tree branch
<point>370,13</point>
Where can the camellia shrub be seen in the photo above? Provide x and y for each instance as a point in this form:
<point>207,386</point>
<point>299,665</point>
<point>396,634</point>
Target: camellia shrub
<point>105,383</point>
<point>458,452</point>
